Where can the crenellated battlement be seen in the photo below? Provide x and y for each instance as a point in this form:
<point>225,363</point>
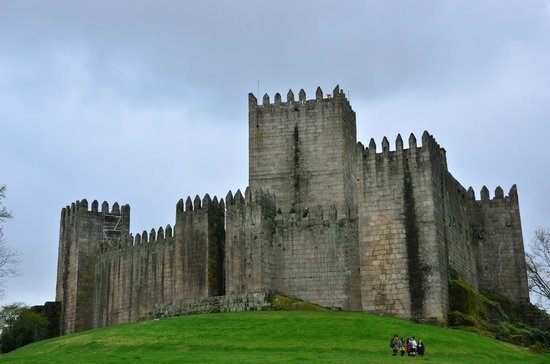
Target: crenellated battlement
<point>160,235</point>
<point>196,204</point>
<point>428,142</point>
<point>82,207</point>
<point>109,222</point>
<point>428,150</point>
<point>337,96</point>
<point>238,199</point>
<point>248,197</point>
<point>498,195</point>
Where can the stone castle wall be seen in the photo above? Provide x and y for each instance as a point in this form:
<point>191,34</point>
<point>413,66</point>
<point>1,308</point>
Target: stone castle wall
<point>457,205</point>
<point>316,258</point>
<point>131,275</point>
<point>325,220</point>
<point>304,150</point>
<point>500,256</point>
<point>249,251</point>
<point>382,232</point>
<point>199,255</point>
<point>403,266</point>
<point>309,254</point>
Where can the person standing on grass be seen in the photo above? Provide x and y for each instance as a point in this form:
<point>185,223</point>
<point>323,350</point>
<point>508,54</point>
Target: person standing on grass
<point>420,348</point>
<point>393,345</point>
<point>413,346</point>
<point>401,346</point>
<point>408,347</point>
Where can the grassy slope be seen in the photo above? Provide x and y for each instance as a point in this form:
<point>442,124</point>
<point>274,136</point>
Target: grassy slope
<point>270,336</point>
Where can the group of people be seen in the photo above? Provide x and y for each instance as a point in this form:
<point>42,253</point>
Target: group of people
<point>409,346</point>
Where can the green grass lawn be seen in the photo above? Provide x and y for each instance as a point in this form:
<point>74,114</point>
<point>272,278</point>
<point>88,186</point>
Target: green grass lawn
<point>276,336</point>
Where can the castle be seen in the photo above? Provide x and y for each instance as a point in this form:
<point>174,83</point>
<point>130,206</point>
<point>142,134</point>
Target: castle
<point>324,219</point>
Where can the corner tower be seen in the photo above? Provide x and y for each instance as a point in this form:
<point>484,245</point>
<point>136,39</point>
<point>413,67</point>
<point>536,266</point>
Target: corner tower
<point>304,151</point>
<point>80,234</point>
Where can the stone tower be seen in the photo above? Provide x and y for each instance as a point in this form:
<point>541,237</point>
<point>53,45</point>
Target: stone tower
<point>304,151</point>
<point>80,234</point>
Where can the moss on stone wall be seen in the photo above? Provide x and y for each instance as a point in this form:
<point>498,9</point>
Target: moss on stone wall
<point>297,175</point>
<point>416,268</point>
<point>453,273</point>
<point>463,298</point>
<point>286,303</point>
<point>496,317</point>
<point>457,318</point>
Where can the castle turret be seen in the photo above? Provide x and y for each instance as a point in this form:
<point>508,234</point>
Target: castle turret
<point>199,251</point>
<point>81,233</point>
<point>304,151</point>
<point>501,255</point>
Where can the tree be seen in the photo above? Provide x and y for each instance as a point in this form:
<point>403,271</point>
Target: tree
<point>4,213</point>
<point>538,267</point>
<point>20,326</point>
<point>9,258</point>
<point>9,314</point>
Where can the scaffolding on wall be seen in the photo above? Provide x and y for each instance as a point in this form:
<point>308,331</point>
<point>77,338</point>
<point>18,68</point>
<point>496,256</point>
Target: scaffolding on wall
<point>111,226</point>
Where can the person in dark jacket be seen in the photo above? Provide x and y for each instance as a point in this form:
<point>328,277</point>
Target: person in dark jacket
<point>420,348</point>
<point>401,346</point>
<point>408,347</point>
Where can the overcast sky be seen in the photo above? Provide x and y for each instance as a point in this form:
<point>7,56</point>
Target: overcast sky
<point>145,102</point>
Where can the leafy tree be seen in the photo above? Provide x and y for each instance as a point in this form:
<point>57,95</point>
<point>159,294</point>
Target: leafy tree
<point>9,258</point>
<point>9,314</point>
<point>538,267</point>
<point>20,326</point>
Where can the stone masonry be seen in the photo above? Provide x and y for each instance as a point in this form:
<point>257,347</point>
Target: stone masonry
<point>324,219</point>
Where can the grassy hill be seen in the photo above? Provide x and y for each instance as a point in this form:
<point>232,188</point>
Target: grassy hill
<point>275,336</point>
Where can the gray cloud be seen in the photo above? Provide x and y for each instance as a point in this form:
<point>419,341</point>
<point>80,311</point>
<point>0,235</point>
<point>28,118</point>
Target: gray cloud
<point>145,103</point>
